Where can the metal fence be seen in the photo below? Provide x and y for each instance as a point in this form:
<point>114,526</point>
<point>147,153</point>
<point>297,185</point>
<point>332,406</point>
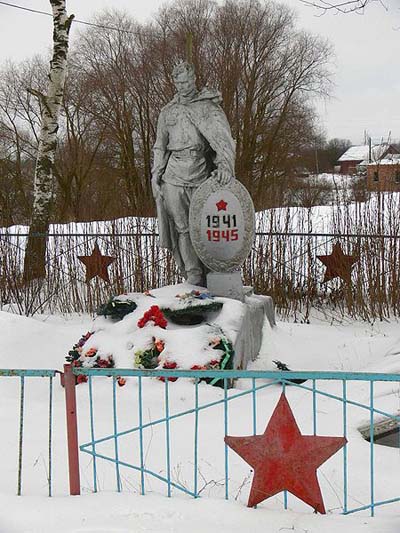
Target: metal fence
<point>281,264</point>
<point>37,420</point>
<point>148,455</point>
<point>133,434</point>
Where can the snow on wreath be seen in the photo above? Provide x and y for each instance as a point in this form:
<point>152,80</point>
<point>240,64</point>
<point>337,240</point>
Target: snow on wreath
<point>149,342</point>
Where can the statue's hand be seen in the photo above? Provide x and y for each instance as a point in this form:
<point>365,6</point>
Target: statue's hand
<point>155,186</point>
<point>223,175</point>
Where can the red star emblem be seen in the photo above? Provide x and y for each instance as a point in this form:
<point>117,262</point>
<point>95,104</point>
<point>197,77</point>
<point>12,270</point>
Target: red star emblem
<point>221,205</point>
<point>284,459</point>
<point>338,264</point>
<point>96,264</point>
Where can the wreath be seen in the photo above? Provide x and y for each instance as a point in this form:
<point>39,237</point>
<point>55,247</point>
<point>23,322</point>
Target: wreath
<point>116,309</point>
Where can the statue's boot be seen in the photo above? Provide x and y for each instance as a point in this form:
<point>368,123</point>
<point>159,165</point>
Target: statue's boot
<point>193,265</point>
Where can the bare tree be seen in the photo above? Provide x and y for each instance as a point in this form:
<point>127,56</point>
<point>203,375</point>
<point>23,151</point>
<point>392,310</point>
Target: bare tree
<point>19,127</point>
<point>81,159</point>
<point>341,6</point>
<point>120,103</point>
<point>50,103</point>
<point>267,72</point>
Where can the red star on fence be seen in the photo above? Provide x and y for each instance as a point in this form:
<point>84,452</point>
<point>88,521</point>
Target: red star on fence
<point>284,459</point>
<point>338,265</point>
<point>96,264</point>
<point>221,205</point>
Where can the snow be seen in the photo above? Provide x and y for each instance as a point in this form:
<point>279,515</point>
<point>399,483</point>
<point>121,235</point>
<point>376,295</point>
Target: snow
<point>344,218</point>
<point>392,160</point>
<point>127,514</point>
<point>122,339</point>
<point>360,152</point>
<point>328,343</point>
<point>321,218</point>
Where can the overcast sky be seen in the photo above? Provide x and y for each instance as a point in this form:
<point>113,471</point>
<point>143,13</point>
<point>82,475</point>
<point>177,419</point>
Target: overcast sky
<point>367,47</point>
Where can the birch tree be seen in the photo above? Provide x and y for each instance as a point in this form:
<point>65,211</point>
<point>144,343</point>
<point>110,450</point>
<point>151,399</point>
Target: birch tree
<point>50,103</point>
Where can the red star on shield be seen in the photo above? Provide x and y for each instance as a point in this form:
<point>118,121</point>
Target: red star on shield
<point>284,459</point>
<point>221,205</point>
<point>338,265</point>
<point>96,264</point>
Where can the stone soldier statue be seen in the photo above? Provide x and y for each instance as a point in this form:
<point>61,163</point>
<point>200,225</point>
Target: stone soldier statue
<point>193,143</point>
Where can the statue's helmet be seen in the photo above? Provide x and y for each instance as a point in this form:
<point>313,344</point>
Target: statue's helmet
<point>183,67</point>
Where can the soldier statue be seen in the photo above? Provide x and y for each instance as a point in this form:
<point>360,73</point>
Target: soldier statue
<point>193,143</point>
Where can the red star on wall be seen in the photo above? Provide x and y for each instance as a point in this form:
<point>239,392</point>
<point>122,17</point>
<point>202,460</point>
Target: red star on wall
<point>96,264</point>
<point>221,205</point>
<point>338,265</point>
<point>284,459</point>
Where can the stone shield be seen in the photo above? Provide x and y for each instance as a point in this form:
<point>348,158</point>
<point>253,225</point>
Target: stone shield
<point>222,222</point>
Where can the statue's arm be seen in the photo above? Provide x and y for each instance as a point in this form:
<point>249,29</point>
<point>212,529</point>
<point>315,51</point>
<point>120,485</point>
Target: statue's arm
<point>222,143</point>
<point>160,155</point>
<point>225,166</point>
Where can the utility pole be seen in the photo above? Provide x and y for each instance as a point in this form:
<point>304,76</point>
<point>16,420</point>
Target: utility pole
<point>316,159</point>
<point>189,48</point>
<point>369,150</point>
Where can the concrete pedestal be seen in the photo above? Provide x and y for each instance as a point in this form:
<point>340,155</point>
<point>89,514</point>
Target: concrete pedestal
<point>249,338</point>
<point>226,284</point>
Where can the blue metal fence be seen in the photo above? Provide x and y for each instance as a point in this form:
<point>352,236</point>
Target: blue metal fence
<point>255,383</point>
<point>335,387</point>
<point>22,375</point>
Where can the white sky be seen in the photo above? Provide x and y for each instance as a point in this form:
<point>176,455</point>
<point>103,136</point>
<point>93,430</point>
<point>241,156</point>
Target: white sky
<point>367,74</point>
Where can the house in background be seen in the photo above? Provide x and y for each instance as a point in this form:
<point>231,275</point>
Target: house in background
<point>356,158</point>
<point>384,175</point>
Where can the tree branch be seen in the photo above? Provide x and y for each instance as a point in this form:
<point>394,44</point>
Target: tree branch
<point>36,93</point>
<point>41,97</point>
<point>344,6</point>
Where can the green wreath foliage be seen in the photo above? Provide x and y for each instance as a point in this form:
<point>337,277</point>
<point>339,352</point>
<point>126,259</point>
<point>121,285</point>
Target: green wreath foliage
<point>116,309</point>
<point>192,314</point>
<point>146,358</point>
<point>226,362</point>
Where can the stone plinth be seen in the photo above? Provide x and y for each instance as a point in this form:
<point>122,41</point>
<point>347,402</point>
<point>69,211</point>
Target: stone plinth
<point>226,284</point>
<point>248,341</point>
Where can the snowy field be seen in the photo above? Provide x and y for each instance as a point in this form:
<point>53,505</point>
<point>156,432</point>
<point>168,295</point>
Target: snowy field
<point>353,216</point>
<point>325,344</point>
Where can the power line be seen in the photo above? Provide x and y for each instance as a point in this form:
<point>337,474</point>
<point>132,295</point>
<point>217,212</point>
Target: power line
<point>101,26</point>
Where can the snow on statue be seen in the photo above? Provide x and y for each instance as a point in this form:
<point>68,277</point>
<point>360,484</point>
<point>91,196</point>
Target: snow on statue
<point>193,143</point>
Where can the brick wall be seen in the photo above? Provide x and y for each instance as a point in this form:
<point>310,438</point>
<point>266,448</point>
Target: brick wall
<point>348,167</point>
<point>383,177</point>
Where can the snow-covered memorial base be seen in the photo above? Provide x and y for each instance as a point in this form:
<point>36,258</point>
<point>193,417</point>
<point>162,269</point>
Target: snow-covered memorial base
<point>174,327</point>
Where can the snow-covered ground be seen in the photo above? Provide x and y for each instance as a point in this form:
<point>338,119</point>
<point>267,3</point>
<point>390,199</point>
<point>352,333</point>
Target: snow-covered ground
<point>325,344</point>
<point>355,216</point>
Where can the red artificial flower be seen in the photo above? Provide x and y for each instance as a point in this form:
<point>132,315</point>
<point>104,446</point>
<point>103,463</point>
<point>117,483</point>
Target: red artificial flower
<point>214,342</point>
<point>169,365</point>
<point>155,314</point>
<point>81,378</point>
<point>198,367</point>
<point>91,352</point>
<point>102,363</point>
<point>148,293</point>
<point>159,345</point>
<point>121,381</point>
